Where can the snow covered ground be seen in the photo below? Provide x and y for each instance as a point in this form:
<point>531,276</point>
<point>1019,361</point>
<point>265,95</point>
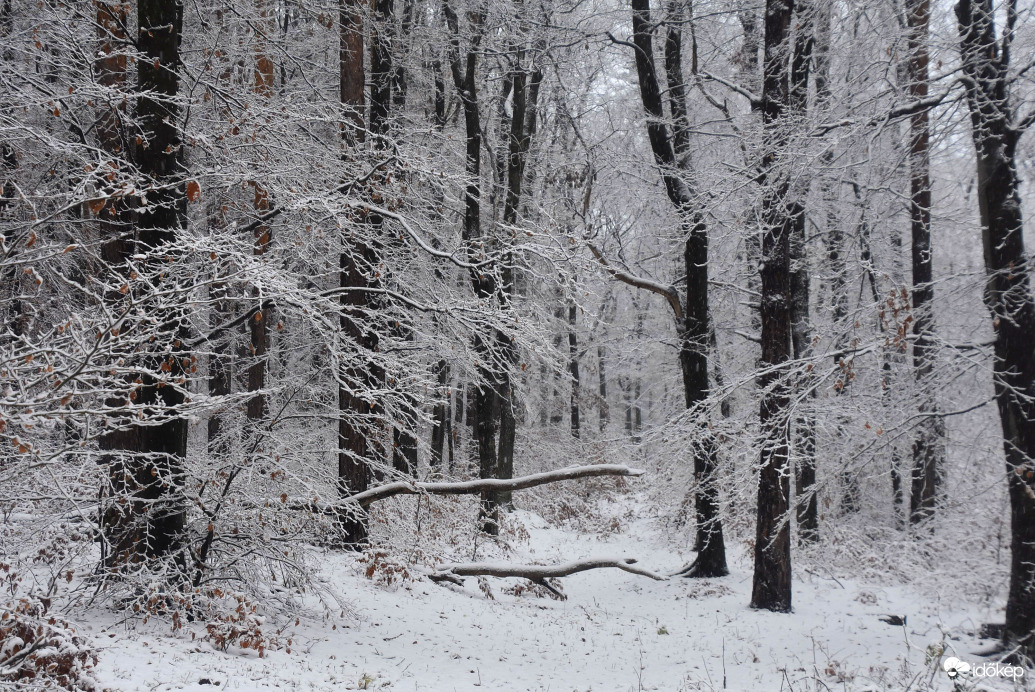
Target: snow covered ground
<point>615,632</point>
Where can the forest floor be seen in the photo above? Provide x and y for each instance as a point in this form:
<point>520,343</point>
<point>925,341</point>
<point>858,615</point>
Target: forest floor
<point>615,632</point>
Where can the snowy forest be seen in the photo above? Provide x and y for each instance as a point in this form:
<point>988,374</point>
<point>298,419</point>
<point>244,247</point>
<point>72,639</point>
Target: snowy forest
<point>459,344</point>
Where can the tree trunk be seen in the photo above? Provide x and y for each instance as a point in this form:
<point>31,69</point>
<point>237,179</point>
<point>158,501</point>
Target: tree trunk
<point>929,445</point>
<point>381,72</point>
<point>488,392</point>
<point>573,368</point>
<point>220,370</point>
<point>150,527</point>
<point>808,502</point>
<point>522,129</point>
<point>604,411</point>
<point>258,326</point>
<point>801,326</point>
<point>355,413</point>
<point>772,577</point>
<point>441,416</point>
<point>1008,294</point>
<point>692,318</point>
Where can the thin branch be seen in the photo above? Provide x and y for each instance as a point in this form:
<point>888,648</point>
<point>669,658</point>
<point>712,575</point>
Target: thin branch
<point>753,99</point>
<point>903,111</point>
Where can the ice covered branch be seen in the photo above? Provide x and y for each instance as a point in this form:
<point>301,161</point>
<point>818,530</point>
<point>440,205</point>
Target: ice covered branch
<point>669,292</point>
<point>539,573</point>
<point>472,487</point>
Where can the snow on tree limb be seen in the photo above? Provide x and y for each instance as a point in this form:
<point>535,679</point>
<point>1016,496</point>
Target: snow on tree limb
<point>538,573</point>
<point>472,487</point>
<point>669,292</point>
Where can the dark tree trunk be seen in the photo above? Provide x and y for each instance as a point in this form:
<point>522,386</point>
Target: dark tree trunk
<point>404,446</point>
<point>849,481</point>
<point>772,578</point>
<point>801,327</point>
<point>356,414</point>
<point>623,383</point>
<point>382,77</point>
<point>399,83</point>
<point>487,400</point>
<point>440,95</point>
<point>220,370</point>
<point>692,319</point>
<point>381,72</point>
<point>750,77</point>
<point>522,129</point>
<point>150,527</point>
<point>929,444</point>
<point>441,416</point>
<point>573,368</point>
<point>808,502</point>
<point>258,326</point>
<point>637,412</point>
<point>1008,293</point>
<point>605,411</point>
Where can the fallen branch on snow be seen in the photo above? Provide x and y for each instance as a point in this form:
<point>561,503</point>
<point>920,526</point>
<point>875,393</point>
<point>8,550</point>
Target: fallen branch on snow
<point>488,484</point>
<point>536,573</point>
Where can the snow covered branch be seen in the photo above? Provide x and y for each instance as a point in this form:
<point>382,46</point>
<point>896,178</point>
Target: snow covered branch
<point>669,292</point>
<point>488,484</point>
<point>539,573</point>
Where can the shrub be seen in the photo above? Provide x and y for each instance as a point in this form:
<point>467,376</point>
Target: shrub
<point>39,648</point>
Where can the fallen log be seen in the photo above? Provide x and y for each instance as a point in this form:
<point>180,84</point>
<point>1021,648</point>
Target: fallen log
<point>382,492</point>
<point>539,573</point>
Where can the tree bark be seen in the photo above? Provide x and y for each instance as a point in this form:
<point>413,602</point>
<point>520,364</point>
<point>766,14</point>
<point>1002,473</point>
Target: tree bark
<point>929,444</point>
<point>258,328</point>
<point>1008,293</point>
<point>801,327</point>
<point>441,428</point>
<point>523,122</point>
<point>772,576</point>
<point>573,368</point>
<point>355,413</point>
<point>381,71</point>
<point>808,502</point>
<point>150,526</point>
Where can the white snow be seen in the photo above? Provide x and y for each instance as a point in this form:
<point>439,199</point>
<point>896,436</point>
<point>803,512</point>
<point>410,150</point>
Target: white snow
<point>616,632</point>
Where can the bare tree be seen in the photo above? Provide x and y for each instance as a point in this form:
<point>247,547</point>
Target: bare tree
<point>996,131</point>
<point>772,576</point>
